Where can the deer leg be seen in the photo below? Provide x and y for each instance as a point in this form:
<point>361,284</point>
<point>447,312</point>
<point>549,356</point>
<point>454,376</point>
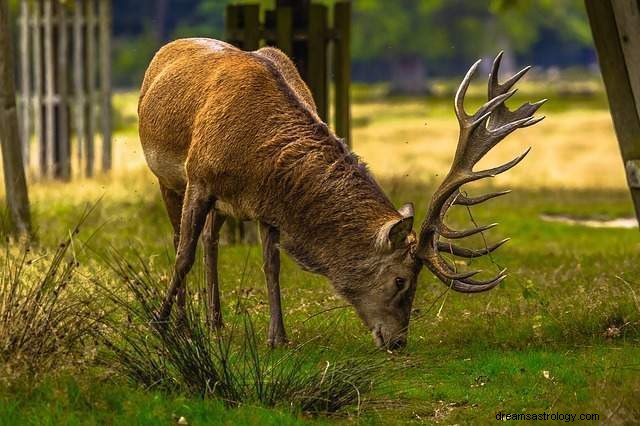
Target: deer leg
<point>270,237</point>
<point>195,208</point>
<point>210,239</point>
<point>173,202</point>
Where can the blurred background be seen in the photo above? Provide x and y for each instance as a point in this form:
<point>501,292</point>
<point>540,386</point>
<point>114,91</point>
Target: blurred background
<point>405,44</point>
<point>407,57</point>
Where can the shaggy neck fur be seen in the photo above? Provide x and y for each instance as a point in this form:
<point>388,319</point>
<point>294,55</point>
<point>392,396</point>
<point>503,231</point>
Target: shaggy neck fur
<point>330,209</point>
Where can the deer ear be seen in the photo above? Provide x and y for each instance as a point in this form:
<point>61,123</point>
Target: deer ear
<point>406,210</point>
<point>393,234</point>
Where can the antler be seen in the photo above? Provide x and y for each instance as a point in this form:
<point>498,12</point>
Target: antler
<point>479,133</point>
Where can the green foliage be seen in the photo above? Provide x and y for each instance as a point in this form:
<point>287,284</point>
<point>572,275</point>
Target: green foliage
<point>131,56</point>
<point>441,30</point>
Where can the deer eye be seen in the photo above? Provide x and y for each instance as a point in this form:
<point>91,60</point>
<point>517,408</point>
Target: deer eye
<point>400,282</point>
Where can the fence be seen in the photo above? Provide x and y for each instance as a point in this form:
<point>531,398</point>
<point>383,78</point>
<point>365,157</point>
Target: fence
<point>65,84</point>
<point>302,30</point>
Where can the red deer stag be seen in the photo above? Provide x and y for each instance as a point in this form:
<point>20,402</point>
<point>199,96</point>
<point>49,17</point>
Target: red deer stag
<point>234,133</point>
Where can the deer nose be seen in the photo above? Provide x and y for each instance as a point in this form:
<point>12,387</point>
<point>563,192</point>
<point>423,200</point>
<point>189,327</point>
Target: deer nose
<point>397,343</point>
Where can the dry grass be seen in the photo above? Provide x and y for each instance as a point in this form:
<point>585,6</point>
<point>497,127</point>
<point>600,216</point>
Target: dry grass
<point>572,149</point>
<point>44,315</point>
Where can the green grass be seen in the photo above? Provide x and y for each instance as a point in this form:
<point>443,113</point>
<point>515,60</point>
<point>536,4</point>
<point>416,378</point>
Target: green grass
<point>561,334</point>
<point>69,400</point>
<point>468,356</point>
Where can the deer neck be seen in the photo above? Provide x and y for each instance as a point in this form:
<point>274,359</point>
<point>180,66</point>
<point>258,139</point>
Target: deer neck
<point>331,207</point>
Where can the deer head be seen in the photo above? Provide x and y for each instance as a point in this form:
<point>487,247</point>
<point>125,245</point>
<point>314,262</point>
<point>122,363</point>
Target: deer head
<point>385,305</point>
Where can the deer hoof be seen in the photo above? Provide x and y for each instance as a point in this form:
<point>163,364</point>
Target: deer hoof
<point>277,341</point>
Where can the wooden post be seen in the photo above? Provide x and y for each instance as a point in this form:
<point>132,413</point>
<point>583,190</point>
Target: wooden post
<point>14,177</point>
<point>25,80</point>
<point>91,84</point>
<point>317,57</point>
<point>251,26</point>
<point>105,82</point>
<point>616,33</point>
<point>232,24</point>
<point>342,69</point>
<point>299,46</point>
<point>38,88</point>
<point>62,135</point>
<point>78,80</point>
<point>49,74</point>
<point>284,30</point>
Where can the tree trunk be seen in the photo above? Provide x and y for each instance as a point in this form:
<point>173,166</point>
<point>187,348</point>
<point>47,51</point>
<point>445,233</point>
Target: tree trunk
<point>14,177</point>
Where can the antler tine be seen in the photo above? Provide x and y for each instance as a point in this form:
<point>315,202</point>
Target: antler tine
<point>487,109</point>
<point>479,133</point>
<point>447,232</point>
<point>462,91</point>
<point>442,268</point>
<point>464,200</point>
<point>495,88</point>
<point>503,168</point>
<point>463,285</point>
<point>447,247</point>
<point>467,288</point>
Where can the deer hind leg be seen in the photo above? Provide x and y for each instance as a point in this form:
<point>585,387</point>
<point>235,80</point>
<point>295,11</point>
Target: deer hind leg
<point>173,202</point>
<point>270,237</point>
<point>197,204</point>
<point>210,238</point>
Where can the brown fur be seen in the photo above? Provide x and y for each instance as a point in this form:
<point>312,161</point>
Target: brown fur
<point>240,129</point>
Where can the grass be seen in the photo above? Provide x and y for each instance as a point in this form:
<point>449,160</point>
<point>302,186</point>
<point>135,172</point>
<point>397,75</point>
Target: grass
<point>69,400</point>
<point>560,334</point>
<point>42,316</point>
<point>187,357</point>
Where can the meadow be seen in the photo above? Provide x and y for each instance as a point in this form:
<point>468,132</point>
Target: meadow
<point>560,335</point>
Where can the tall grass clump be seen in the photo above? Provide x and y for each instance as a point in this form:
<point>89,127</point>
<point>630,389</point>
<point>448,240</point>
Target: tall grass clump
<point>233,365</point>
<point>43,315</point>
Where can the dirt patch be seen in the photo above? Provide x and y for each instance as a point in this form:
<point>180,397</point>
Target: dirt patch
<point>622,222</point>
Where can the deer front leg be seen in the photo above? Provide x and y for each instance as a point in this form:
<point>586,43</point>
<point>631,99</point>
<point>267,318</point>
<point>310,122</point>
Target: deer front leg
<point>196,206</point>
<point>270,237</point>
<point>210,238</point>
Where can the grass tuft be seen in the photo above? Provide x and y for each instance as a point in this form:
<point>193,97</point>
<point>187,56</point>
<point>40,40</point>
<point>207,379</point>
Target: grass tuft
<point>43,315</point>
<point>232,365</point>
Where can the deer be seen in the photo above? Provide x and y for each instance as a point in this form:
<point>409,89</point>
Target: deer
<point>233,133</point>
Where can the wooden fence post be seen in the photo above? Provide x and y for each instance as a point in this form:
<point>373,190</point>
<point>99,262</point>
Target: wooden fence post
<point>317,57</point>
<point>284,30</point>
<point>49,73</point>
<point>78,80</point>
<point>342,69</point>
<point>251,26</point>
<point>63,155</point>
<point>25,80</point>
<point>14,176</point>
<point>616,33</point>
<point>105,82</point>
<point>90,68</point>
<point>38,88</point>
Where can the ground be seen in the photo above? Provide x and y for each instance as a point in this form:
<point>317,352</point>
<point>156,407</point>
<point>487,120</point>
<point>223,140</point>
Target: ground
<point>560,335</point>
